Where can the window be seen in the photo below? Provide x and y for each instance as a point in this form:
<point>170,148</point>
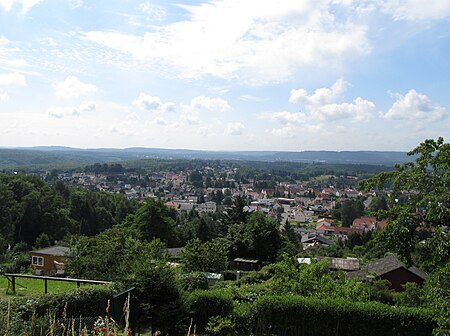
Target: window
<point>37,261</point>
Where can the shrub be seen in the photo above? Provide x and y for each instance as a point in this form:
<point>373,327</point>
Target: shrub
<point>202,305</point>
<point>295,315</point>
<point>193,281</point>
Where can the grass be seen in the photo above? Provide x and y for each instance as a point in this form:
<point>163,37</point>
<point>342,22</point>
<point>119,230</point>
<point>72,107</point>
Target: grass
<point>27,287</point>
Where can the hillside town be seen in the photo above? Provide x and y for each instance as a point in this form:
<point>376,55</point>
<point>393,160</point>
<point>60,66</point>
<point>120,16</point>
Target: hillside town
<point>308,206</point>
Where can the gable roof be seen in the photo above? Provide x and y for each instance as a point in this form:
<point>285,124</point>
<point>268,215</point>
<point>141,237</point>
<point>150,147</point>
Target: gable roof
<point>53,251</point>
<point>388,264</point>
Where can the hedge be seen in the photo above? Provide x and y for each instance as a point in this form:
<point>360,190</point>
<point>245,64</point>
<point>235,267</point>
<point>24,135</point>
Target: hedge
<point>202,305</point>
<point>295,315</point>
<point>19,313</point>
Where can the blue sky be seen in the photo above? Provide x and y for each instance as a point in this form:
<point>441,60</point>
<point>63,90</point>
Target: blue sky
<point>225,74</point>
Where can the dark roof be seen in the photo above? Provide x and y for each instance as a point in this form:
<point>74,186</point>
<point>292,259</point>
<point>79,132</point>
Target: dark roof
<point>385,265</point>
<point>53,251</point>
<point>321,239</point>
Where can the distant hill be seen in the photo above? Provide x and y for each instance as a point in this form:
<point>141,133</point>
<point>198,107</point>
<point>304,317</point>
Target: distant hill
<point>44,157</point>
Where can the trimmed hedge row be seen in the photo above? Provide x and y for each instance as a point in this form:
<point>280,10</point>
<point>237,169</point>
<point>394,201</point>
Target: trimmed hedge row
<point>295,315</point>
<point>202,305</point>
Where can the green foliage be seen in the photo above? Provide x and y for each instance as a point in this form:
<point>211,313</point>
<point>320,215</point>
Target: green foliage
<point>193,281</point>
<point>112,254</point>
<point>205,257</point>
<point>412,296</point>
<point>350,210</point>
<point>155,220</point>
<point>419,200</point>
<point>295,315</point>
<point>23,313</point>
<point>220,326</point>
<point>29,208</point>
<point>437,291</point>
<point>157,297</point>
<point>317,280</point>
<point>258,238</point>
<point>203,305</point>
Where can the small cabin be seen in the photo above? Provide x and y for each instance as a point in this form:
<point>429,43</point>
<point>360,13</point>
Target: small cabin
<point>245,264</point>
<point>49,260</point>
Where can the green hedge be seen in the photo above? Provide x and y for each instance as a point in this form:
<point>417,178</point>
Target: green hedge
<point>202,305</point>
<point>18,314</point>
<point>295,315</point>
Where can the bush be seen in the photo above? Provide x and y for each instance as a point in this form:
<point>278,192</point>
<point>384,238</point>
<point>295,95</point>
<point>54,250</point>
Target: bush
<point>202,305</point>
<point>20,316</point>
<point>193,281</point>
<point>295,315</point>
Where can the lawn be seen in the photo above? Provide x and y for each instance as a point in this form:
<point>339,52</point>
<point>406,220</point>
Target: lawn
<point>25,287</point>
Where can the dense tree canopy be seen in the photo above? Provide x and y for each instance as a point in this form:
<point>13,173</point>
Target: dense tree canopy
<point>419,204</point>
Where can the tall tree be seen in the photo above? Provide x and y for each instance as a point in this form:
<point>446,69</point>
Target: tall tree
<point>419,202</point>
<point>153,219</point>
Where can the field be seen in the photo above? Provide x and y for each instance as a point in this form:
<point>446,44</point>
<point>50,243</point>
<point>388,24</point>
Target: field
<point>26,287</point>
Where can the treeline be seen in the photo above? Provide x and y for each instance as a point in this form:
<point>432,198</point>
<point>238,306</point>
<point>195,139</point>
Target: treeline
<point>31,208</point>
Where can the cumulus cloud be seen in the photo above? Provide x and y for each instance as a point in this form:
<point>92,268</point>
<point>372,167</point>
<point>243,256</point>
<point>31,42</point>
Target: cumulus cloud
<point>25,5</point>
<point>415,10</point>
<point>320,96</point>
<point>415,106</point>
<point>268,40</point>
<point>12,79</point>
<point>234,128</point>
<point>60,112</point>
<point>153,104</point>
<point>209,104</point>
<point>72,87</point>
<point>323,104</point>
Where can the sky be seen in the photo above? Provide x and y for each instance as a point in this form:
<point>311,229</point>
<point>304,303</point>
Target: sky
<point>286,75</point>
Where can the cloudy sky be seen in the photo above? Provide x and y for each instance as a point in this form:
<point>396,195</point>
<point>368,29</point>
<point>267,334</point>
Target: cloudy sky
<point>225,74</point>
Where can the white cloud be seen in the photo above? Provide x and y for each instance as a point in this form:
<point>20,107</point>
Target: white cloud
<point>72,87</point>
<point>234,128</point>
<point>285,118</point>
<point>415,10</point>
<point>323,104</point>
<point>287,131</point>
<point>9,55</point>
<point>3,96</point>
<point>209,104</point>
<point>26,5</point>
<point>267,40</point>
<point>190,118</point>
<point>250,98</point>
<point>160,121</point>
<point>152,11</point>
<point>321,96</point>
<point>203,131</point>
<point>76,3</point>
<point>12,79</point>
<point>360,110</point>
<point>60,112</point>
<point>153,104</point>
<point>415,106</point>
